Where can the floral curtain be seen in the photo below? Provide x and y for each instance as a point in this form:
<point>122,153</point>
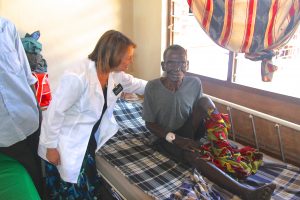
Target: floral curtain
<point>253,27</point>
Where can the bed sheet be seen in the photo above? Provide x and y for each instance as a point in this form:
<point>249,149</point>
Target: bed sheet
<point>158,176</point>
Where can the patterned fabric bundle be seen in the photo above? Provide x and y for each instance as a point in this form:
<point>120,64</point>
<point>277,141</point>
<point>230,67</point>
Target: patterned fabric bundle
<point>38,67</point>
<point>33,50</point>
<point>253,27</point>
<point>239,163</point>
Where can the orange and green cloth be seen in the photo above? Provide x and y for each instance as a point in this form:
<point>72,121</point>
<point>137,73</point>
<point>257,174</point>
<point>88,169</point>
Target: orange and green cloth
<point>239,163</point>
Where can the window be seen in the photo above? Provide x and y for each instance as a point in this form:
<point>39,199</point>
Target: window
<point>208,59</point>
<point>285,80</point>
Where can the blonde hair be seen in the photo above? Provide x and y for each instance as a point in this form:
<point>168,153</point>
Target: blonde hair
<point>110,49</point>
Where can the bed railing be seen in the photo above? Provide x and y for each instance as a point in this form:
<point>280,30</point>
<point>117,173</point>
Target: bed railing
<point>252,113</point>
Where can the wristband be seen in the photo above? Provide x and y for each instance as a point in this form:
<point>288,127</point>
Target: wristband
<point>170,137</point>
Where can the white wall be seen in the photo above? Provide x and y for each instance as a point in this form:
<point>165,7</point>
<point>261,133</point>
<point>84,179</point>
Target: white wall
<point>149,28</point>
<point>70,29</point>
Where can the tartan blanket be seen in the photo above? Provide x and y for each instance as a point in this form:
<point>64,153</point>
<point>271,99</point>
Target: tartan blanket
<point>160,177</point>
<point>285,176</point>
<point>155,174</point>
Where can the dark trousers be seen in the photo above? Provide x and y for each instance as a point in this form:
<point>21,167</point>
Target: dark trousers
<point>186,131</point>
<point>25,152</point>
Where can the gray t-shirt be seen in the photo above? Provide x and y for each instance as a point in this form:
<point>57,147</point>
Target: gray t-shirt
<point>170,109</point>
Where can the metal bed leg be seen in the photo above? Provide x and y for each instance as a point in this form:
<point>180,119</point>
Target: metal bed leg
<point>254,131</point>
<point>277,127</point>
<point>231,122</point>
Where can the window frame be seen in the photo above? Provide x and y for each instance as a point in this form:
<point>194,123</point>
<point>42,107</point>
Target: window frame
<point>231,68</point>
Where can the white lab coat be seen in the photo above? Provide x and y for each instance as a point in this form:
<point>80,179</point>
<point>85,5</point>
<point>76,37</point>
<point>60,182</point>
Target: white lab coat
<point>73,111</point>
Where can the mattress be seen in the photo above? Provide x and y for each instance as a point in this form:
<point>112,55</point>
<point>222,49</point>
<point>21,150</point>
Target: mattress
<point>137,171</point>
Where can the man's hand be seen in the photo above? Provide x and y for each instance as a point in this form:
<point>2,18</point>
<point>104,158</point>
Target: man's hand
<point>52,156</point>
<point>186,143</point>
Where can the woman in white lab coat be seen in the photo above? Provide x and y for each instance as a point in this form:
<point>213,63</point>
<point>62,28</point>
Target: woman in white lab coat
<point>79,119</point>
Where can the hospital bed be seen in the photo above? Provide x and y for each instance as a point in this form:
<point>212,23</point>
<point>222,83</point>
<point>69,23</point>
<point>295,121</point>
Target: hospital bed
<point>135,170</point>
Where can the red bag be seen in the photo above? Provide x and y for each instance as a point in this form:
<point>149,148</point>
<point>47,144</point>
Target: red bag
<point>43,92</point>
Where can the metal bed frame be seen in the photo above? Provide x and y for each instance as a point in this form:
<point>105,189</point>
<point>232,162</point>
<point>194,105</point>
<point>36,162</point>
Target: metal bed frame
<point>253,113</point>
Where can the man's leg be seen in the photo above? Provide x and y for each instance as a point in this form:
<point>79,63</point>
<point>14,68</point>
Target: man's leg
<point>210,171</point>
<point>199,114</point>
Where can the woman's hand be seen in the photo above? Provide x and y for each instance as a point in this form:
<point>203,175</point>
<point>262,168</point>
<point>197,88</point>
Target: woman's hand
<point>52,156</point>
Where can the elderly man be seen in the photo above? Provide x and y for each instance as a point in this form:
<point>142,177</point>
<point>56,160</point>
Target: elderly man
<point>175,110</point>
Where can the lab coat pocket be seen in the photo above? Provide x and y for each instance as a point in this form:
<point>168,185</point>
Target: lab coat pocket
<point>72,152</point>
<point>71,155</point>
<point>67,153</point>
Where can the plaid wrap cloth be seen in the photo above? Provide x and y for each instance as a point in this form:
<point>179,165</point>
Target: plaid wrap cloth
<point>161,177</point>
